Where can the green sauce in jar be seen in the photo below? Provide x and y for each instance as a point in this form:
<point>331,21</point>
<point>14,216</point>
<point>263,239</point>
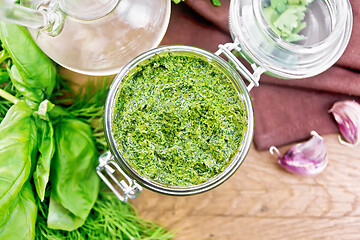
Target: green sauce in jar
<point>178,119</point>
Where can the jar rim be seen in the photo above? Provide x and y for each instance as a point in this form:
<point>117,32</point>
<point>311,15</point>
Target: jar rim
<point>177,190</point>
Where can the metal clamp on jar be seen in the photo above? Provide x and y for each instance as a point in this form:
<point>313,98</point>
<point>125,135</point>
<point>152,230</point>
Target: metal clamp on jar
<point>329,25</point>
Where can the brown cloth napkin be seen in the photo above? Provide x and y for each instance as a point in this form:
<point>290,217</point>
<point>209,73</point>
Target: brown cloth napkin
<point>285,110</point>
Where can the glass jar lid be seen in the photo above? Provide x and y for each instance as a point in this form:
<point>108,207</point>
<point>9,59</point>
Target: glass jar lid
<point>326,35</point>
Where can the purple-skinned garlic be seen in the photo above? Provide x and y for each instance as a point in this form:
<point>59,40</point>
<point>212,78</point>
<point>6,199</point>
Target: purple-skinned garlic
<point>347,116</point>
<point>307,158</point>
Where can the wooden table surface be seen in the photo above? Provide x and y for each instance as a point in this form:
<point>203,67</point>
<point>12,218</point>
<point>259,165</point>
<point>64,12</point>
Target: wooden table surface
<point>262,201</point>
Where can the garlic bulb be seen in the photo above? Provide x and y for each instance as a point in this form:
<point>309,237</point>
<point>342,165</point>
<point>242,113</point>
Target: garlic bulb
<point>347,115</point>
<point>307,158</point>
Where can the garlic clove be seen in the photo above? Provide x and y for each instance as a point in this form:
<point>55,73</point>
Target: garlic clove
<point>347,116</point>
<point>307,158</point>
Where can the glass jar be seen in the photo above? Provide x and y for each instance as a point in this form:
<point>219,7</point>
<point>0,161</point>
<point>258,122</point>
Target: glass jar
<point>133,177</point>
<point>265,51</point>
<point>328,30</point>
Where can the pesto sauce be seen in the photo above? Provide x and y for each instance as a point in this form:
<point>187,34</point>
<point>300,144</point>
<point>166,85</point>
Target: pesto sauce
<point>178,120</point>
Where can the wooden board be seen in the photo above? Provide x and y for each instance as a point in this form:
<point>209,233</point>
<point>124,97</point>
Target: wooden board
<point>262,201</point>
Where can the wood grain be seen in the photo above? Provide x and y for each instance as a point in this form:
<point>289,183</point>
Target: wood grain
<point>262,201</point>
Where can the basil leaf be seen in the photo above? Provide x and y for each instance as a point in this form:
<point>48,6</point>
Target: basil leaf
<point>18,150</point>
<point>21,223</point>
<point>38,77</point>
<point>74,182</point>
<point>32,97</point>
<point>46,151</point>
<point>61,218</point>
<point>46,147</point>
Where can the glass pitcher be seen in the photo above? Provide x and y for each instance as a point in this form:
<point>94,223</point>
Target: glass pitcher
<point>93,37</point>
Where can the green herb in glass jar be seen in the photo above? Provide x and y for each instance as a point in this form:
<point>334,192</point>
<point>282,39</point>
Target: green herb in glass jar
<point>178,119</point>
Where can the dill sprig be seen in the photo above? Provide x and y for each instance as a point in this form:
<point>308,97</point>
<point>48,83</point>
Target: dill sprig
<point>109,219</point>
